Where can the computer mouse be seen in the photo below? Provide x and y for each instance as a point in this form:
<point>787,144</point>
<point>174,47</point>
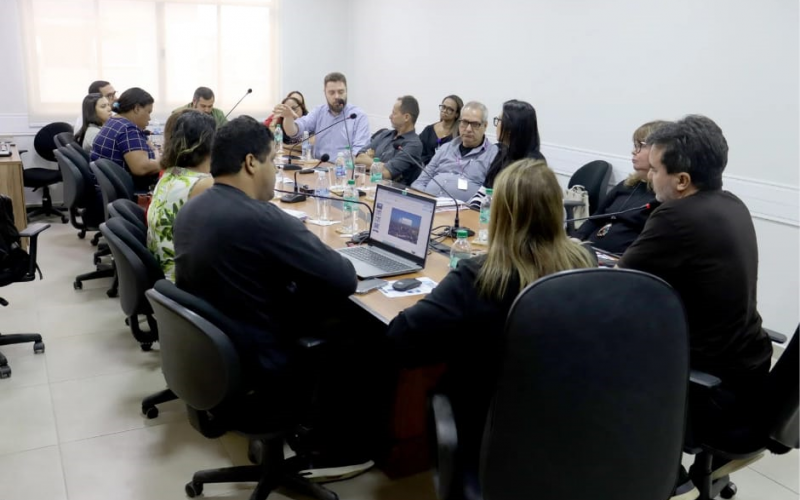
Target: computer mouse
<point>406,284</point>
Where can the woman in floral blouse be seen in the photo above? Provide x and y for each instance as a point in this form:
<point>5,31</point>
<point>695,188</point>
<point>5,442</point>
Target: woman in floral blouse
<point>186,162</point>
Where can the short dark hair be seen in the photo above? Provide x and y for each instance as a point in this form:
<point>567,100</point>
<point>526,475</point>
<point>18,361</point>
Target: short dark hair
<point>203,93</point>
<point>408,104</point>
<point>96,85</point>
<point>694,145</point>
<point>190,141</point>
<point>335,77</point>
<point>237,139</point>
<point>131,98</point>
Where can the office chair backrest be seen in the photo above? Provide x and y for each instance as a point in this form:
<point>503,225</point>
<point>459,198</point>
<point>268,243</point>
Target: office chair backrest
<point>199,361</point>
<point>594,177</point>
<point>63,138</point>
<point>591,394</point>
<point>44,141</point>
<point>137,269</point>
<point>111,186</point>
<point>784,390</point>
<point>129,211</point>
<point>74,184</point>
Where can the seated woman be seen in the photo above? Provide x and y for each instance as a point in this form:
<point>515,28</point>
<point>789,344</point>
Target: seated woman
<point>461,321</point>
<point>615,234</point>
<point>295,102</point>
<point>123,141</point>
<point>187,166</point>
<point>444,130</point>
<point>517,138</point>
<point>96,112</point>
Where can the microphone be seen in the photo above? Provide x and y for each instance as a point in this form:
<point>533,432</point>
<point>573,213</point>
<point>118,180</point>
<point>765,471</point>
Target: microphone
<point>312,195</point>
<point>249,91</point>
<point>296,196</point>
<point>325,157</point>
<point>646,206</point>
<point>451,232</point>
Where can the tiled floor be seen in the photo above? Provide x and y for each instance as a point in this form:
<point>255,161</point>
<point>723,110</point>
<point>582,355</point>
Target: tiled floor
<point>70,426</point>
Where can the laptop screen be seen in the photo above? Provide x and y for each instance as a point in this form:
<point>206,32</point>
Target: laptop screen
<point>402,221</point>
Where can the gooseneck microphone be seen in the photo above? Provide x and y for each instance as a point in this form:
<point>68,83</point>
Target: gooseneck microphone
<point>646,206</point>
<point>312,195</point>
<point>297,196</point>
<point>451,232</point>
<point>322,160</point>
<point>249,91</point>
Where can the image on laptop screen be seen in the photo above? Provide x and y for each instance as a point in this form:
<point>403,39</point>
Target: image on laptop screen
<point>402,222</point>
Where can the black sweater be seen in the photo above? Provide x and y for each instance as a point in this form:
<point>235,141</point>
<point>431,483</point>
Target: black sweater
<point>625,228</point>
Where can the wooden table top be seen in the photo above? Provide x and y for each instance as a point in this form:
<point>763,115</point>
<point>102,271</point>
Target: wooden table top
<point>436,265</point>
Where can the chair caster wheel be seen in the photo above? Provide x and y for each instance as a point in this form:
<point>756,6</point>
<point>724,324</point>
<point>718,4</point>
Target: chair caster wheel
<point>82,235</point>
<point>146,346</point>
<point>97,261</point>
<point>5,371</point>
<point>38,347</point>
<point>150,412</point>
<point>64,220</point>
<point>194,489</point>
<point>728,491</point>
<point>112,293</point>
<point>77,285</point>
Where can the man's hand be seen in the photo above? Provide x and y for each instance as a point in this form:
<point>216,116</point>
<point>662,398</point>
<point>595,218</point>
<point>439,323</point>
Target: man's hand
<point>284,111</point>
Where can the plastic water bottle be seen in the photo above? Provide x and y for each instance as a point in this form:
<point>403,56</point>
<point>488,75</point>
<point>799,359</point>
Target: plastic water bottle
<point>323,189</point>
<point>340,171</point>
<point>376,174</point>
<point>350,209</point>
<point>461,249</point>
<point>278,139</point>
<point>306,147</point>
<point>349,163</point>
<point>485,215</point>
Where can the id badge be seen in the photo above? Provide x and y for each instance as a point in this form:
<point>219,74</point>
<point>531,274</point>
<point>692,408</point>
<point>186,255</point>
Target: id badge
<point>463,184</point>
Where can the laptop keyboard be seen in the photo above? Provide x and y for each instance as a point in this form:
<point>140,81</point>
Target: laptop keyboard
<point>374,258</point>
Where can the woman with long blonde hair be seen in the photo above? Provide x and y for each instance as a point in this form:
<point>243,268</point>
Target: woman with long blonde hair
<point>461,322</point>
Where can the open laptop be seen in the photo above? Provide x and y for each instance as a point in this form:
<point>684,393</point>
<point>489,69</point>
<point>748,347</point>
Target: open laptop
<point>398,236</point>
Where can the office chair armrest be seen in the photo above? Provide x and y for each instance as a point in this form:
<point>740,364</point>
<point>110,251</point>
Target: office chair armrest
<point>703,379</point>
<point>776,337</point>
<point>33,230</point>
<point>444,444</point>
<point>572,203</point>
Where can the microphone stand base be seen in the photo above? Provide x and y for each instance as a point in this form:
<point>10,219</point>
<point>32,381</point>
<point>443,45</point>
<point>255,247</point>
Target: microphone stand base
<point>452,232</point>
<point>293,198</point>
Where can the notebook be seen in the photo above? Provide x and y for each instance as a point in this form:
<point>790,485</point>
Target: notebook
<point>398,235</point>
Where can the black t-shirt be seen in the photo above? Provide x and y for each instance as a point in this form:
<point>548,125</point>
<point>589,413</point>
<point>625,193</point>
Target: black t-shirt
<point>705,247</point>
<point>621,230</point>
<point>260,267</point>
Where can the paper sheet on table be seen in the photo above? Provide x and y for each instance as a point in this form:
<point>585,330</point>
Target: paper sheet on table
<point>297,214</point>
<point>425,287</point>
<point>322,222</point>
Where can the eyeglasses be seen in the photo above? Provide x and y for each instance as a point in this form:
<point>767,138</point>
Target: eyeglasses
<point>467,123</point>
<point>110,95</point>
<point>446,109</point>
<point>638,145</point>
<point>496,120</point>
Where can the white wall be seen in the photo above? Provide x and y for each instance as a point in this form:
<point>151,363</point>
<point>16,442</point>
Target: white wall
<point>595,71</point>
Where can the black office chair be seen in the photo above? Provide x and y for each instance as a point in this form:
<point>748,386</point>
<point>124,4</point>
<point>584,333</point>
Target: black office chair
<point>114,182</point>
<point>63,138</point>
<point>590,399</point>
<point>43,178</point>
<point>137,272</point>
<point>129,211</point>
<point>594,177</point>
<point>776,431</point>
<point>17,267</point>
<point>202,367</point>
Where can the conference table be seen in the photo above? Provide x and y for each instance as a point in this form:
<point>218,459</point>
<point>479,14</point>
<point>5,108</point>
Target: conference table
<point>408,450</point>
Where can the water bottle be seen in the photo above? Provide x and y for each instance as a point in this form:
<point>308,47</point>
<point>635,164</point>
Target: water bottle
<point>340,171</point>
<point>461,249</point>
<point>350,209</point>
<point>375,174</point>
<point>323,189</point>
<point>485,215</point>
<point>278,139</point>
<point>349,163</point>
<point>306,147</point>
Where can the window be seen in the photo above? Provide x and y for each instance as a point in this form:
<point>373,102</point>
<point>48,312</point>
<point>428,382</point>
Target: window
<point>168,48</point>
